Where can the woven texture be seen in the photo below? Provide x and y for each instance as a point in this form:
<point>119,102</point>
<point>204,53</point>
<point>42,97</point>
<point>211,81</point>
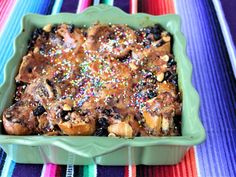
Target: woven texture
<point>212,77</point>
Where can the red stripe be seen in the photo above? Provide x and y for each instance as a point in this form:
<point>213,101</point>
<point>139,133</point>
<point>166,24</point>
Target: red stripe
<point>187,167</point>
<point>5,9</point>
<point>157,7</point>
<point>126,171</point>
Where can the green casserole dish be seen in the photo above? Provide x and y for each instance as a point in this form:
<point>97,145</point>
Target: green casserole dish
<point>83,150</point>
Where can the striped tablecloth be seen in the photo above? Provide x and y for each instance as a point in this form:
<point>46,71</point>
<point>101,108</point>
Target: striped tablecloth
<point>212,77</point>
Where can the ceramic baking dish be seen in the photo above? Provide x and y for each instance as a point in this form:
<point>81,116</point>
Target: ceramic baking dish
<point>104,150</point>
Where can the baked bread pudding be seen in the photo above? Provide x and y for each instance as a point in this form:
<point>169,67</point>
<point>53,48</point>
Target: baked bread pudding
<point>105,80</point>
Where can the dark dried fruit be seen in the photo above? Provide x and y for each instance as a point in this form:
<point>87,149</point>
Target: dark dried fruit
<point>39,110</point>
<point>151,94</point>
<point>167,75</point>
<point>171,62</point>
<point>66,117</point>
<point>62,114</point>
<point>102,122</point>
<point>160,43</point>
<point>117,116</point>
<point>107,112</point>
<point>71,28</point>
<point>156,36</point>
<point>54,29</point>
<point>174,80</point>
<point>36,33</point>
<point>101,132</point>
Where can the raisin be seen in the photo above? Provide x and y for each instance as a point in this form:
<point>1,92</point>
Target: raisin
<point>101,132</point>
<point>30,45</point>
<point>167,75</point>
<point>158,28</point>
<point>174,80</point>
<point>29,69</point>
<point>151,94</point>
<point>160,43</point>
<point>39,111</point>
<point>148,30</point>
<point>102,122</point>
<point>85,34</point>
<point>63,114</point>
<point>71,28</point>
<point>66,118</point>
<point>107,112</point>
<point>171,62</point>
<point>54,29</point>
<point>156,36</point>
<point>117,116</point>
<point>36,33</point>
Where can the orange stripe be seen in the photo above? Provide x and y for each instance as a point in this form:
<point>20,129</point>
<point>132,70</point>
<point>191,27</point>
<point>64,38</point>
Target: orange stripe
<point>133,170</point>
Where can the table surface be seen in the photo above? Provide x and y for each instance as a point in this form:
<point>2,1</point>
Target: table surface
<point>212,77</point>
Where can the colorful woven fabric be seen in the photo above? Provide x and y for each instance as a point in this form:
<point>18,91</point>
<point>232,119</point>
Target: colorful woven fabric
<point>212,77</point>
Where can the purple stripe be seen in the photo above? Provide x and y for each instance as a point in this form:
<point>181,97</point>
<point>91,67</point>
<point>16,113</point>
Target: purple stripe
<point>229,7</point>
<point>27,170</point>
<point>63,170</point>
<point>69,6</point>
<point>110,171</point>
<point>2,159</point>
<point>214,80</point>
<point>122,4</point>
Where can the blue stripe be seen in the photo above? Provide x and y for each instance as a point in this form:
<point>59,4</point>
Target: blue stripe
<point>2,160</point>
<point>213,77</point>
<point>96,2</point>
<point>12,28</point>
<point>57,6</point>
<point>11,168</point>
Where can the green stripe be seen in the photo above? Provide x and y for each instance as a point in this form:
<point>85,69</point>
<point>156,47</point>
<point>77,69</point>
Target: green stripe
<point>89,171</point>
<point>108,2</point>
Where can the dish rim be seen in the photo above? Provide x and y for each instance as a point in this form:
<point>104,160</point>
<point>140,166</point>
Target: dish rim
<point>64,142</point>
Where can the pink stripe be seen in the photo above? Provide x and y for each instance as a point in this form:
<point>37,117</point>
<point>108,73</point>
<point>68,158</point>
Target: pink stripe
<point>6,7</point>
<point>133,6</point>
<point>50,170</point>
<point>83,4</point>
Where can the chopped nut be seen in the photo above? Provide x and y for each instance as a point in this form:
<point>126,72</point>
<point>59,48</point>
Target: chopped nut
<point>165,125</point>
<point>66,107</point>
<point>112,135</point>
<point>164,57</point>
<point>47,28</point>
<point>133,66</point>
<point>121,129</point>
<point>160,77</point>
<point>164,33</point>
<point>166,38</point>
<point>153,122</point>
<point>36,50</point>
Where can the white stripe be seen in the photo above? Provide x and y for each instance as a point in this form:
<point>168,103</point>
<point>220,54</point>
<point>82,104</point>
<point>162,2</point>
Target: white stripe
<point>129,162</point>
<point>43,170</point>
<point>197,162</point>
<point>95,170</point>
<point>175,7</point>
<point>6,167</point>
<point>70,166</point>
<point>79,6</point>
<point>134,7</point>
<point>57,6</point>
<point>226,33</point>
